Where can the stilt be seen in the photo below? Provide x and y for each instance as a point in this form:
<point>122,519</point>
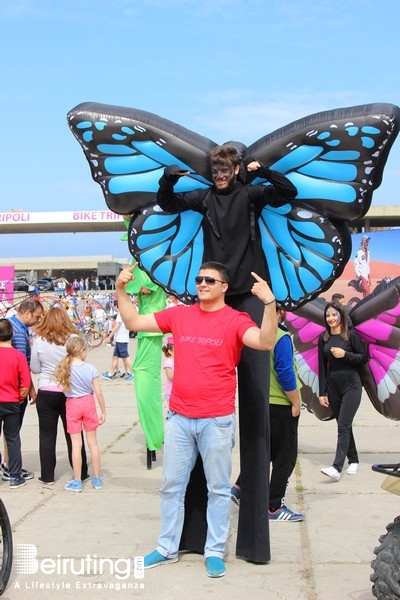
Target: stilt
<point>149,458</point>
<point>153,455</point>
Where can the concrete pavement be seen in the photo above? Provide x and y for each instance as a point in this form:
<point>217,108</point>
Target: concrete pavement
<point>326,557</point>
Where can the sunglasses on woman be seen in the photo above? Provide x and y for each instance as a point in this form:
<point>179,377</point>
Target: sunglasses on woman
<point>209,280</point>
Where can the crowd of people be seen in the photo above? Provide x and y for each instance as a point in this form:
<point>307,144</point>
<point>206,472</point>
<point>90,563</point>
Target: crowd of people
<point>68,387</point>
<point>42,338</point>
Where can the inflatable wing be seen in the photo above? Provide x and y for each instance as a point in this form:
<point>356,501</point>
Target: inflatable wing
<point>306,325</point>
<point>376,319</point>
<point>334,158</point>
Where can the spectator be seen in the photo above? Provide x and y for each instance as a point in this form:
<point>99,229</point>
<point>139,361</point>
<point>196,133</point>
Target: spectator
<point>80,383</point>
<point>15,382</point>
<point>29,313</point>
<point>284,413</point>
<point>340,352</point>
<point>121,349</point>
<point>99,315</point>
<point>47,351</point>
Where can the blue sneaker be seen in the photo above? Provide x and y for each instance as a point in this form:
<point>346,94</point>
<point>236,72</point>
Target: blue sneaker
<point>215,566</point>
<point>128,377</point>
<point>107,375</point>
<point>17,482</point>
<point>155,558</point>
<point>75,485</point>
<point>284,514</point>
<point>97,483</point>
<point>235,494</point>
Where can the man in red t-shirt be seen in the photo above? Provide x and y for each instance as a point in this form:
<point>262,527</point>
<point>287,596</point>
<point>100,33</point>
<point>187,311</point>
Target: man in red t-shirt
<point>208,337</point>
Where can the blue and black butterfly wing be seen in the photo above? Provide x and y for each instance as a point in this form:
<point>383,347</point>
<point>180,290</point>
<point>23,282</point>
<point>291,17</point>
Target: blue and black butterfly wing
<point>377,320</point>
<point>305,252</point>
<point>128,149</point>
<point>170,247</point>
<point>335,158</point>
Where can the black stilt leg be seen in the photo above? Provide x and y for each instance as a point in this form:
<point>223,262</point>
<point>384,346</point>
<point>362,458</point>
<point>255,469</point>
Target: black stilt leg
<point>153,455</point>
<point>149,453</point>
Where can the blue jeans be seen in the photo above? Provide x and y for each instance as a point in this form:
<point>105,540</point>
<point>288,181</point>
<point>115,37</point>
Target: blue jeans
<point>185,438</point>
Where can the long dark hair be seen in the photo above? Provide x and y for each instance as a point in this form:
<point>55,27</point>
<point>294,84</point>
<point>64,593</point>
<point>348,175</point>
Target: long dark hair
<point>344,324</point>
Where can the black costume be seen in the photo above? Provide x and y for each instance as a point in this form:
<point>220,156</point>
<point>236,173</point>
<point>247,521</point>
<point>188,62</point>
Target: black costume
<point>339,379</point>
<point>232,237</point>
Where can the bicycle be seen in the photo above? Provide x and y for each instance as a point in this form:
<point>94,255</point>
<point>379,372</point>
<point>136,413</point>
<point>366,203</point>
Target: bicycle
<point>386,565</point>
<point>93,337</point>
<point>6,547</point>
<point>47,301</point>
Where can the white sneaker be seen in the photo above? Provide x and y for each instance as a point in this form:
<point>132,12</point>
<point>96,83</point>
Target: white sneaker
<point>352,469</point>
<point>331,472</point>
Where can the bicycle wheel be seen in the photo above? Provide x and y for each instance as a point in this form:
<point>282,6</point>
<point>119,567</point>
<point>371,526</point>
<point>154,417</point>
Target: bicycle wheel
<point>48,300</point>
<point>6,547</point>
<point>94,337</point>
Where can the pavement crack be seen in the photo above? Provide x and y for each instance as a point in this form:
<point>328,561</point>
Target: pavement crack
<point>118,439</point>
<point>33,510</point>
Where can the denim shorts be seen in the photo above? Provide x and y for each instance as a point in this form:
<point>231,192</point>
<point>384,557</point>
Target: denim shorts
<point>121,350</point>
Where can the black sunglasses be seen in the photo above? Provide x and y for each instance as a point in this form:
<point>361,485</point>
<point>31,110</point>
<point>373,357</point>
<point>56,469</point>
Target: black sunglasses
<point>209,280</point>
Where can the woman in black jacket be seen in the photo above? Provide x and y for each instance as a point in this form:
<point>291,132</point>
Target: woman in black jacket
<point>340,352</point>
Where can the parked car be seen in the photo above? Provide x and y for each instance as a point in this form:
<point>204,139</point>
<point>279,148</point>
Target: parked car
<point>44,285</point>
<point>20,285</point>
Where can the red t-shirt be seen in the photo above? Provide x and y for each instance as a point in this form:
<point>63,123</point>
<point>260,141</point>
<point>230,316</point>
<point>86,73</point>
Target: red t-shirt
<point>14,374</point>
<point>207,349</point>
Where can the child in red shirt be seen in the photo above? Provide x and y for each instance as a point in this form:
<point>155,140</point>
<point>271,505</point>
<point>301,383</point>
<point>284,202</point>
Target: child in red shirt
<point>15,382</point>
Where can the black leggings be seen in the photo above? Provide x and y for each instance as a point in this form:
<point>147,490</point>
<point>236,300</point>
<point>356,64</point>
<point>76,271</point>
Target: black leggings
<point>344,395</point>
<point>284,429</point>
<point>50,407</point>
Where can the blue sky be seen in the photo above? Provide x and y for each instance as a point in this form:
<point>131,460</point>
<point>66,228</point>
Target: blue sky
<point>227,69</point>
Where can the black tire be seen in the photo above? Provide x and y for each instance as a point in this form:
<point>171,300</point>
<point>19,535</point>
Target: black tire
<point>386,565</point>
<point>6,548</point>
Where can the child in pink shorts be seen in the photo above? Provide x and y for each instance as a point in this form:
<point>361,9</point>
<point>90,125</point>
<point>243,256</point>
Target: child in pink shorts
<point>80,382</point>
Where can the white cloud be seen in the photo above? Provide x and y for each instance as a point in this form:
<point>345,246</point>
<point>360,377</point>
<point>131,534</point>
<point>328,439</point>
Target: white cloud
<point>233,115</point>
